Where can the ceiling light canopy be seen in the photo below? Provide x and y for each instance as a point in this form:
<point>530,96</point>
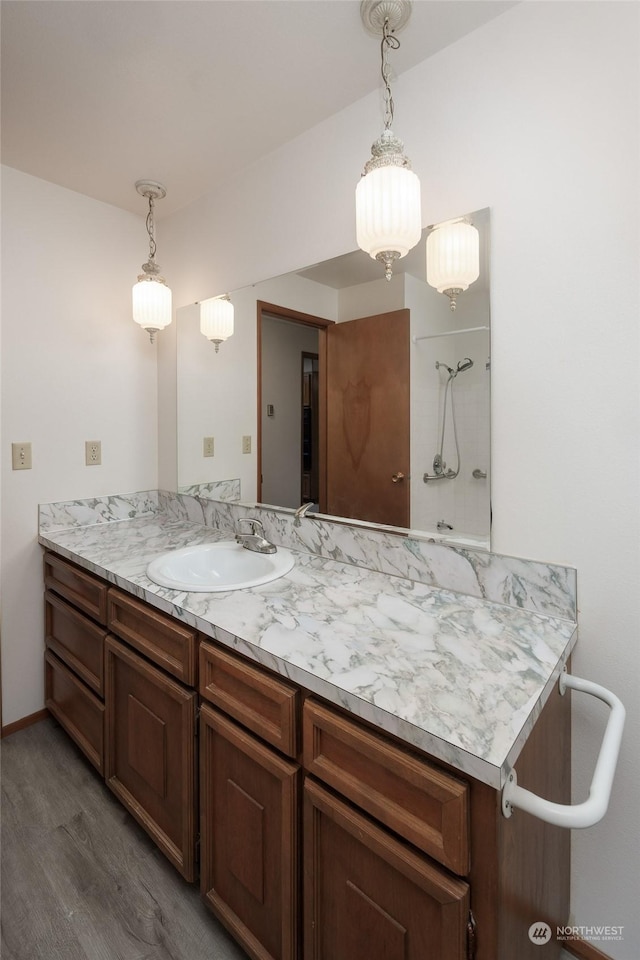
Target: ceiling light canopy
<point>151,295</point>
<point>388,209</point>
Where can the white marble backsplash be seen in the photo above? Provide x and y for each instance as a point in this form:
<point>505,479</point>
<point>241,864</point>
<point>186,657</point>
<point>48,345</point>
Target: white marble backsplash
<point>531,585</point>
<point>225,490</point>
<point>544,588</point>
<point>83,513</point>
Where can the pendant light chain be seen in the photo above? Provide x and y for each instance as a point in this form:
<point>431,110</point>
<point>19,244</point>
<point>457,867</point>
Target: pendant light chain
<point>389,42</point>
<point>151,230</point>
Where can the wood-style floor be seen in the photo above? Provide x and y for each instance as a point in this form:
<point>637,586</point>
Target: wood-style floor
<point>80,879</point>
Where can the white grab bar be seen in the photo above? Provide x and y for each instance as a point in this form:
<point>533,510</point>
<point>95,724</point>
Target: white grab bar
<point>592,810</point>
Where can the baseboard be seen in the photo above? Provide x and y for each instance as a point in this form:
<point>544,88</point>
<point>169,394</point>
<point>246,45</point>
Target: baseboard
<point>584,950</point>
<point>25,722</point>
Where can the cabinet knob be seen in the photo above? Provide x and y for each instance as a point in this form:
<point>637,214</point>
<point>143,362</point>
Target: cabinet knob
<point>397,477</point>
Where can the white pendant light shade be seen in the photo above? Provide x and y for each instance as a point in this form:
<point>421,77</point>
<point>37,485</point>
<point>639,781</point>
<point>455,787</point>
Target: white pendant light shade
<point>216,319</point>
<point>388,215</point>
<point>151,295</point>
<point>151,304</point>
<point>453,258</point>
<point>388,211</point>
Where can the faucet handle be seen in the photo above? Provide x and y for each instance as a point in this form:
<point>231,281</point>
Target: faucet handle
<point>255,524</point>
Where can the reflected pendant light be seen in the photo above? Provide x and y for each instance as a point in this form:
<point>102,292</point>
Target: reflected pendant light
<point>216,319</point>
<point>388,212</point>
<point>453,257</point>
<point>151,295</point>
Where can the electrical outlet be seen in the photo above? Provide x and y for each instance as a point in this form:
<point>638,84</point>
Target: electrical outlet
<point>93,453</point>
<point>21,456</point>
<point>246,444</point>
<point>207,447</point>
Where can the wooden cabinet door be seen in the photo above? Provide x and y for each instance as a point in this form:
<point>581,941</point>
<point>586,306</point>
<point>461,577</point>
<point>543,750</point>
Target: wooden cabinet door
<point>249,838</point>
<point>370,897</point>
<point>150,756</point>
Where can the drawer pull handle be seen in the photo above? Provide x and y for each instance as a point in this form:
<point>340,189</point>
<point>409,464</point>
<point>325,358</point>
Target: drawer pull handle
<point>574,816</point>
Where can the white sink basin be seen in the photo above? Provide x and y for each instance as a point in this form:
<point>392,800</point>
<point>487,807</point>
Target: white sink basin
<point>214,567</point>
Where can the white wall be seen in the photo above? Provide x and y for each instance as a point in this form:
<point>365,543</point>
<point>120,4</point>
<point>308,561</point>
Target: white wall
<point>369,299</point>
<point>74,368</point>
<point>217,393</point>
<point>536,116</point>
<point>211,405</point>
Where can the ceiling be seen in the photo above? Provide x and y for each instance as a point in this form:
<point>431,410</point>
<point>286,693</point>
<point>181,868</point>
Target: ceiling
<point>97,94</point>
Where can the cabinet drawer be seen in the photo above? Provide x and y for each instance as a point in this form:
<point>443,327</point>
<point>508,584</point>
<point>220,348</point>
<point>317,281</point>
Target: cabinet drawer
<point>160,638</point>
<point>78,641</point>
<point>81,589</point>
<point>150,756</point>
<point>76,709</point>
<point>266,705</point>
<point>369,895</point>
<point>418,801</point>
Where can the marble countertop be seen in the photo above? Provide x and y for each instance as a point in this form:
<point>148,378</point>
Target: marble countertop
<point>457,676</point>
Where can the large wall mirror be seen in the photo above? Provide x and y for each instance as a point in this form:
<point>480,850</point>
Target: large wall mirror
<point>363,398</point>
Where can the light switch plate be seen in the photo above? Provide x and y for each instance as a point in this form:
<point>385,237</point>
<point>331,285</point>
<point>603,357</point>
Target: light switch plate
<point>207,446</point>
<point>246,444</point>
<point>21,456</point>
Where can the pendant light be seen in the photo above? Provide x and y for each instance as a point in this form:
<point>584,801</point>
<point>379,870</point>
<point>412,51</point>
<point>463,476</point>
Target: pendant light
<point>151,295</point>
<point>216,319</point>
<point>388,213</point>
<point>453,257</point>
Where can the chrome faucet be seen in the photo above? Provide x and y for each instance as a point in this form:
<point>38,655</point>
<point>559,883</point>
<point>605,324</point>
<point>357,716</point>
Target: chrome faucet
<point>443,525</point>
<point>302,509</point>
<point>254,541</point>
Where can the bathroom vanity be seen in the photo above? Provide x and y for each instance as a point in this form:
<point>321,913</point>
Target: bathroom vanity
<point>324,810</point>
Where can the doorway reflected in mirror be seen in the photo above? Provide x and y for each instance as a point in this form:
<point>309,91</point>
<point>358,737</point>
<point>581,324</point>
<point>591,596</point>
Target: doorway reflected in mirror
<point>251,392</point>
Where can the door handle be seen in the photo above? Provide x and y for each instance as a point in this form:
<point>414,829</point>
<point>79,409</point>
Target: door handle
<point>397,477</point>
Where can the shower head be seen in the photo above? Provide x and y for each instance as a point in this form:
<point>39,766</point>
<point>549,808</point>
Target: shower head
<point>462,365</point>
